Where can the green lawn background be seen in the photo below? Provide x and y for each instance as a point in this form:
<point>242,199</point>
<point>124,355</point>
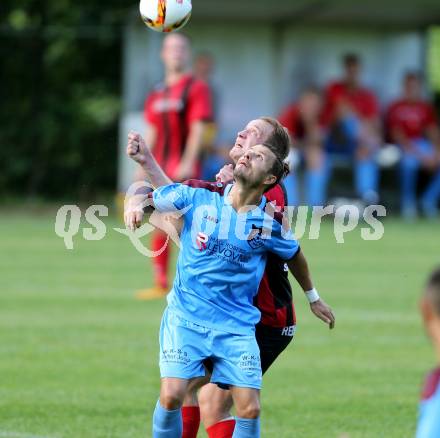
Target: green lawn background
<point>78,355</point>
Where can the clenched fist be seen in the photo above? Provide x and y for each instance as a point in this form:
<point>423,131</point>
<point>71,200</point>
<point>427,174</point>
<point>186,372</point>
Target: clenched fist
<point>225,174</point>
<point>137,150</point>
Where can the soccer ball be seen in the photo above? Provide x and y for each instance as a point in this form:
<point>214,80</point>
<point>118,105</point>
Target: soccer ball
<point>165,15</point>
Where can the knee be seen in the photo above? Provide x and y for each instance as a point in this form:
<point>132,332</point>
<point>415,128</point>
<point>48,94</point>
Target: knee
<point>214,408</point>
<point>251,410</point>
<point>171,400</point>
<point>191,396</point>
<point>204,400</point>
<point>210,411</point>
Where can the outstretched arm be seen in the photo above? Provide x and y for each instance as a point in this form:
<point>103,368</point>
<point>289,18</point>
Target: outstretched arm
<point>135,208</point>
<point>138,151</point>
<point>300,270</point>
<point>173,199</point>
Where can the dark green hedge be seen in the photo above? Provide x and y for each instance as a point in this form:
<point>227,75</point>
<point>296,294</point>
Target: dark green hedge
<point>60,80</point>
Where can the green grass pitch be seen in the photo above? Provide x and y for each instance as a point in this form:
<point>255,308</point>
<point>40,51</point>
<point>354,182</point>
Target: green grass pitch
<point>78,355</point>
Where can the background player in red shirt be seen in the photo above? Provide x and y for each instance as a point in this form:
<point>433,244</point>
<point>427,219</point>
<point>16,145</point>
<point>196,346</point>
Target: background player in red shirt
<point>274,299</point>
<point>303,119</point>
<point>352,116</point>
<point>412,124</point>
<point>429,416</point>
<point>177,113</point>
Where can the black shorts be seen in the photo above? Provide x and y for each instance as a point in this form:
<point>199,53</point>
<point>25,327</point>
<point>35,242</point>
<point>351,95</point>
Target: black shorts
<point>272,342</point>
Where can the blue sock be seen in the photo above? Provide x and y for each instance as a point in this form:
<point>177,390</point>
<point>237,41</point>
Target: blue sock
<point>167,424</point>
<point>246,428</point>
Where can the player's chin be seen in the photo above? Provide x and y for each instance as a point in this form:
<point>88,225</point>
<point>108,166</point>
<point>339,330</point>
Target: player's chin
<point>239,170</point>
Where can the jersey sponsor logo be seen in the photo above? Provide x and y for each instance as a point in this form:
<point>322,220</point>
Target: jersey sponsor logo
<point>227,251</point>
<point>288,331</point>
<point>201,240</point>
<point>210,218</point>
<point>250,362</point>
<point>255,239</point>
<point>163,105</point>
<point>175,355</point>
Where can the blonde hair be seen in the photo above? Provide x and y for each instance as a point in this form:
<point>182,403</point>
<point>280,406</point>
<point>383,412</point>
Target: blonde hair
<point>278,139</point>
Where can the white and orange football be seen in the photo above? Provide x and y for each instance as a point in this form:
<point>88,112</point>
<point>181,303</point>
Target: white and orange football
<point>165,15</point>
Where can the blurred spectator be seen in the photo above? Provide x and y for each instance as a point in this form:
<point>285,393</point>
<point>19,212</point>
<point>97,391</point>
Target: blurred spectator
<point>352,116</point>
<point>176,112</point>
<point>303,120</point>
<point>412,125</point>
<point>214,156</point>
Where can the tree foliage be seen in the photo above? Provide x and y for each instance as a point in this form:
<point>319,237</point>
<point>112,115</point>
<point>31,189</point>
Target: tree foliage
<point>60,95</point>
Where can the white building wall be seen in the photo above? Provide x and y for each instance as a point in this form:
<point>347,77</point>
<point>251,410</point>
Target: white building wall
<point>260,68</point>
<point>313,56</point>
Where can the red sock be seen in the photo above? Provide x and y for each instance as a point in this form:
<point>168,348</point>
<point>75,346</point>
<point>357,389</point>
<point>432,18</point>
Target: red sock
<point>191,421</point>
<point>223,429</point>
<point>160,262</point>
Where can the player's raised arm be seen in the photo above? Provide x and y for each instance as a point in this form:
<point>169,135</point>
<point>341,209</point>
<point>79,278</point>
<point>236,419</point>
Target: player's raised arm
<point>138,151</point>
<point>134,210</point>
<point>300,270</point>
<point>172,198</point>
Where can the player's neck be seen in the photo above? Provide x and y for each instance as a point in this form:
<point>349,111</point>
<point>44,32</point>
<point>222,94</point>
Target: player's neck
<point>174,76</point>
<point>242,196</point>
<point>412,99</point>
<point>352,84</point>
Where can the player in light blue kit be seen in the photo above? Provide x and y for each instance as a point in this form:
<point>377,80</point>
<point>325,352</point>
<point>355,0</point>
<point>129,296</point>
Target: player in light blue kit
<point>429,417</point>
<point>210,313</point>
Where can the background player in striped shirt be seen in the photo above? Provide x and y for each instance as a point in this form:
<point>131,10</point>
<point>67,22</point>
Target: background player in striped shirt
<point>429,417</point>
<point>177,113</point>
<point>274,299</point>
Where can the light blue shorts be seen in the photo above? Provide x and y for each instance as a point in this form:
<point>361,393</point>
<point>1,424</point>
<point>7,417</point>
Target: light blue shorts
<point>184,346</point>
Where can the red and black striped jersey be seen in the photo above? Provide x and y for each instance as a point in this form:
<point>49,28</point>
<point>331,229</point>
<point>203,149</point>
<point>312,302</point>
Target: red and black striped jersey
<point>172,110</point>
<point>274,298</point>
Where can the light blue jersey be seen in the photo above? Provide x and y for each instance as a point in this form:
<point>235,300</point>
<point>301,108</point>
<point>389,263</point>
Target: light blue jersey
<point>429,415</point>
<point>223,255</point>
